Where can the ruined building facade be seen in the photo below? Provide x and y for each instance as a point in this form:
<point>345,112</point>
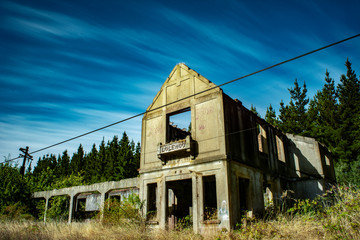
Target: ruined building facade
<point>205,155</point>
<point>227,161</point>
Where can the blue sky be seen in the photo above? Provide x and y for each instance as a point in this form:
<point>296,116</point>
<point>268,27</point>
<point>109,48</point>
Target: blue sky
<point>68,67</point>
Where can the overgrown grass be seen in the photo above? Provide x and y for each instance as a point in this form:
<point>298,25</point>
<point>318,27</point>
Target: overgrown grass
<point>335,215</point>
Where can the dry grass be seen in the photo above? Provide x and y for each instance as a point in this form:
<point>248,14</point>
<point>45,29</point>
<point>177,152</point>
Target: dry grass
<point>336,216</point>
<point>85,231</point>
<point>277,229</point>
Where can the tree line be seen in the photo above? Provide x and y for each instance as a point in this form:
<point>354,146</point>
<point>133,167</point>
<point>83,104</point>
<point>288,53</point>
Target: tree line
<point>116,160</point>
<point>112,161</point>
<point>332,117</point>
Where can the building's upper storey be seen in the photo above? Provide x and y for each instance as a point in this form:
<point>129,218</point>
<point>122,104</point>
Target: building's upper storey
<point>185,123</point>
<point>191,121</point>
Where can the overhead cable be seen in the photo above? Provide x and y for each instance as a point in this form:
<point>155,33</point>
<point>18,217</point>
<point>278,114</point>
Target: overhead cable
<point>192,95</point>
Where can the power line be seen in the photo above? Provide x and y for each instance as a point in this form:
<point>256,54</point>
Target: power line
<point>192,95</point>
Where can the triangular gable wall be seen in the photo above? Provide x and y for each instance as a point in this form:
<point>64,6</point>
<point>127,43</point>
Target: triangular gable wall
<point>181,83</point>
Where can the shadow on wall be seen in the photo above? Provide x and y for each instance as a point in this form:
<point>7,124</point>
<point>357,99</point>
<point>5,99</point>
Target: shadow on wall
<point>308,180</point>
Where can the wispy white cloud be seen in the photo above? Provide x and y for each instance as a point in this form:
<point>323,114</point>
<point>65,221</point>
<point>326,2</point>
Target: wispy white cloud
<point>21,131</point>
<point>36,22</point>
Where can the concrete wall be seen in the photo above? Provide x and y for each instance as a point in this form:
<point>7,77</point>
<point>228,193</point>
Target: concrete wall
<point>228,141</point>
<point>254,192</point>
<point>194,172</point>
<point>207,127</point>
<point>310,158</point>
<point>102,188</point>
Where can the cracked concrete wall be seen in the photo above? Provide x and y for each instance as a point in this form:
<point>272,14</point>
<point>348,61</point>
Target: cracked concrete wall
<point>103,188</point>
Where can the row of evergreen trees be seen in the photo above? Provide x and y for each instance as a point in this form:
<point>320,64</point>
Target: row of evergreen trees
<point>332,117</point>
<point>116,160</point>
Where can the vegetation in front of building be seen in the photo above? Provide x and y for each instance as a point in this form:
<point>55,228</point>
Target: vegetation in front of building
<point>336,215</point>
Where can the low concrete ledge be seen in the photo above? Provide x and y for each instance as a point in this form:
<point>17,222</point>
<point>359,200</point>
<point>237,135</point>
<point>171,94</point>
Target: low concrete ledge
<point>102,187</point>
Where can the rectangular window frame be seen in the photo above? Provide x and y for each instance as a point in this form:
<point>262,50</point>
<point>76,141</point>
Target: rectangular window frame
<point>172,132</point>
<point>210,207</point>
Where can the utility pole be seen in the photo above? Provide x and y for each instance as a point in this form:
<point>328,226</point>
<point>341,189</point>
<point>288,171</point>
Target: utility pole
<point>26,156</point>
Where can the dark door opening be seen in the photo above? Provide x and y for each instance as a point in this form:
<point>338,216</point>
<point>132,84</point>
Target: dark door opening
<point>210,199</point>
<point>244,194</point>
<point>179,201</point>
<point>151,214</point>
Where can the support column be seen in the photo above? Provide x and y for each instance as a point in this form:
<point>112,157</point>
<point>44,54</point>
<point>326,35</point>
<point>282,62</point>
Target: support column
<point>102,204</point>
<point>71,207</point>
<point>195,207</point>
<point>46,207</point>
<point>163,204</point>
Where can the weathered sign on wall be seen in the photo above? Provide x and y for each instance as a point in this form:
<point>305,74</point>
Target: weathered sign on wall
<point>172,147</point>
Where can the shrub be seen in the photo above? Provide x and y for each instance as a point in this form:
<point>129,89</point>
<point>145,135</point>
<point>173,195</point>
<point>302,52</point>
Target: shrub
<point>184,223</point>
<point>342,219</point>
<point>127,211</point>
<point>16,211</point>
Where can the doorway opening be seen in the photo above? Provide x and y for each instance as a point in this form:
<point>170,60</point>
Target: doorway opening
<point>243,195</point>
<point>179,203</point>
<point>151,214</point>
<point>210,200</point>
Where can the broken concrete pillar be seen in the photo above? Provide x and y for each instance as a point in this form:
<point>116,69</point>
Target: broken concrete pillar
<point>46,207</point>
<point>102,204</point>
<point>71,208</point>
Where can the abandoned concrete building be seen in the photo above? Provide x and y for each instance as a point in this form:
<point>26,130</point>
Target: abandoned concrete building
<point>205,155</point>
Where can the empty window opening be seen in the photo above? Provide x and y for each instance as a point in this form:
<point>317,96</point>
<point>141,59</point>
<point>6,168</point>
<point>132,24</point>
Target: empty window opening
<point>151,202</point>
<point>280,149</point>
<point>327,161</point>
<point>80,213</point>
<point>210,200</point>
<point>179,125</point>
<point>80,204</point>
<point>87,205</point>
<point>115,198</point>
<point>262,139</point>
<point>243,194</point>
<point>268,196</point>
<point>113,201</point>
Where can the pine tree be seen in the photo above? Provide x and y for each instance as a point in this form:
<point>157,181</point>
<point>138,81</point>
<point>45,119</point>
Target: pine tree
<point>124,167</point>
<point>349,114</point>
<point>77,161</point>
<point>293,117</point>
<point>92,166</point>
<point>137,158</point>
<point>270,116</point>
<point>322,114</point>
<point>64,164</point>
<point>102,160</point>
<point>135,162</point>
<point>44,163</point>
<point>253,109</point>
<point>111,155</point>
